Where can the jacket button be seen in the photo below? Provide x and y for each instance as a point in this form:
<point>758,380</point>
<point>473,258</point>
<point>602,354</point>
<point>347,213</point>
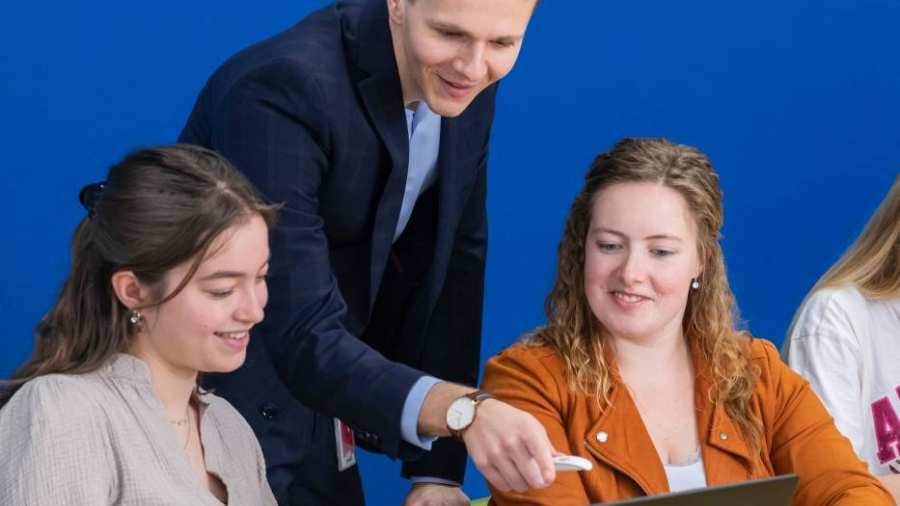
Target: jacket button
<point>268,411</point>
<point>602,436</point>
<point>723,436</point>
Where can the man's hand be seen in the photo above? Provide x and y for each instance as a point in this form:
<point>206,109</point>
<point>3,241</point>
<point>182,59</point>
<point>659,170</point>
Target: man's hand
<point>510,447</point>
<point>433,494</point>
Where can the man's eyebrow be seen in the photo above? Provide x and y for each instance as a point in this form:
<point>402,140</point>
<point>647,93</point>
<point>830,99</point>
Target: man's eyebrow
<point>449,27</point>
<point>442,25</point>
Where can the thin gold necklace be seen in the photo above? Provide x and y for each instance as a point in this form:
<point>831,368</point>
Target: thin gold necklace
<point>185,420</point>
<point>178,422</point>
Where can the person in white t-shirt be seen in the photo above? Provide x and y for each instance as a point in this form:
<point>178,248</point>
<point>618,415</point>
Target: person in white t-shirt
<point>845,340</point>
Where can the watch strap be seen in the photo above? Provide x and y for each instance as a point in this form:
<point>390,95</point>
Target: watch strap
<point>478,396</point>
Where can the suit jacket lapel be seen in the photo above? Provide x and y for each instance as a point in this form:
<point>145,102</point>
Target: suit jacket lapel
<point>368,39</point>
<point>453,176</point>
<point>450,180</point>
<point>386,112</point>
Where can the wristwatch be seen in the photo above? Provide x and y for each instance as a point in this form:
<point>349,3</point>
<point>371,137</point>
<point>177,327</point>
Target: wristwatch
<point>461,412</point>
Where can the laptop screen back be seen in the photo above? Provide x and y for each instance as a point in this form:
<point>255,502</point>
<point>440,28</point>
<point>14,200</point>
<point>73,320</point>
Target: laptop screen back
<point>776,491</point>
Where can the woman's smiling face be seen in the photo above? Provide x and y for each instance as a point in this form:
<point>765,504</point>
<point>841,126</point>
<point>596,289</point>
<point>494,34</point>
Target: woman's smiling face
<point>640,258</point>
<point>206,326</point>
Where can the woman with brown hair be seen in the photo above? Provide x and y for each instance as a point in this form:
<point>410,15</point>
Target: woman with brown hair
<point>167,279</point>
<point>640,369</point>
<point>845,340</point>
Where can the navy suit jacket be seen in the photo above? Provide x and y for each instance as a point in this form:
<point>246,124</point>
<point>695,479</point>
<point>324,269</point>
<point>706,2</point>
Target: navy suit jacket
<point>315,118</point>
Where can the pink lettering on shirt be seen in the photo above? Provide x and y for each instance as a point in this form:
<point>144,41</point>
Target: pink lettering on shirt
<point>887,429</point>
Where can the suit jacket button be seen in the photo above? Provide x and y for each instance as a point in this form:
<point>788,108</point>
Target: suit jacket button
<point>268,411</point>
<point>602,436</point>
<point>723,436</point>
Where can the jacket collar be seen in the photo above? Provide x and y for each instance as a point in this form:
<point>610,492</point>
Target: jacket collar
<point>628,448</point>
<point>367,37</point>
<point>720,430</point>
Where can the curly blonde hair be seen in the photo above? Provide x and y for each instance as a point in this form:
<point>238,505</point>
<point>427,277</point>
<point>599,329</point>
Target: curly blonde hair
<point>709,319</point>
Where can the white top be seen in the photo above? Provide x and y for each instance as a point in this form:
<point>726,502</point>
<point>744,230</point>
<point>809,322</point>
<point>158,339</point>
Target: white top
<point>848,347</point>
<point>686,476</point>
<point>102,438</point>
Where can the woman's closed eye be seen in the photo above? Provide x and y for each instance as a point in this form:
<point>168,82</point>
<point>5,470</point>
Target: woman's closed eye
<point>222,293</point>
<point>608,247</point>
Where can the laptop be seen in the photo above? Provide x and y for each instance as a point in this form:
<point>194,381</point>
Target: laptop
<point>776,491</point>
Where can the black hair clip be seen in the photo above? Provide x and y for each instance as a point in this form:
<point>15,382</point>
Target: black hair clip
<point>90,195</point>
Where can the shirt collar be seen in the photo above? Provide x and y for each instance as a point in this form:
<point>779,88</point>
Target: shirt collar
<point>125,366</point>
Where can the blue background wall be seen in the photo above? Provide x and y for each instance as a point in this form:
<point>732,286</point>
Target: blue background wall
<point>796,102</point>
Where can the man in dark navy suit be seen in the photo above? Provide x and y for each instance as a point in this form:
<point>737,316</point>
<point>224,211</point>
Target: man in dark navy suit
<point>369,120</point>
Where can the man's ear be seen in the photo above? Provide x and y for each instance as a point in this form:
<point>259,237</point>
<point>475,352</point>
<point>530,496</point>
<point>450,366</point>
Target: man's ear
<point>129,290</point>
<point>396,11</point>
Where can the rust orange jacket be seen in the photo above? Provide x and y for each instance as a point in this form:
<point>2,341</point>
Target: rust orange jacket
<point>799,435</point>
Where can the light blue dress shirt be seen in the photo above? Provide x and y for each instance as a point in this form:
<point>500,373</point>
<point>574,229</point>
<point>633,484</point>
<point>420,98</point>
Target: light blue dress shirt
<point>424,130</point>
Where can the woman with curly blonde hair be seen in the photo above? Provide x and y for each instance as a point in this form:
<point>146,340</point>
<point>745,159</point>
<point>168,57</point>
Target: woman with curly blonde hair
<point>640,369</point>
<point>846,339</point>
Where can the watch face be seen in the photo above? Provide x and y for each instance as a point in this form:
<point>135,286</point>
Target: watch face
<point>460,413</point>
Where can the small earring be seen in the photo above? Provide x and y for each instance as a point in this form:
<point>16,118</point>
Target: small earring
<point>695,284</point>
<point>136,318</point>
